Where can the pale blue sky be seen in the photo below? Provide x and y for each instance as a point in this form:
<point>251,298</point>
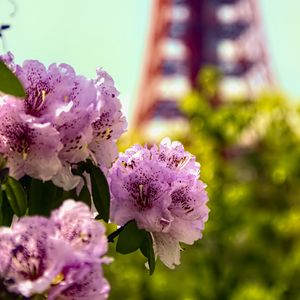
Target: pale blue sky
<point>92,33</point>
<point>281,20</point>
<point>84,33</point>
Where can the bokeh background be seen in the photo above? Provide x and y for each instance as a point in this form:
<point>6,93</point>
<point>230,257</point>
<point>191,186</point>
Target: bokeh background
<point>112,34</point>
<point>249,149</point>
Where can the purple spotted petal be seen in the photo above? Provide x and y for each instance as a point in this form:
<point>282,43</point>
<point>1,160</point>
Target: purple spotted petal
<point>110,123</point>
<point>86,115</point>
<point>77,226</point>
<point>160,188</point>
<point>140,192</point>
<point>68,101</point>
<point>173,155</point>
<point>30,148</point>
<point>38,85</point>
<point>92,285</point>
<point>74,120</point>
<point>76,133</point>
<point>30,256</point>
<point>59,257</point>
<point>167,248</point>
<point>48,90</point>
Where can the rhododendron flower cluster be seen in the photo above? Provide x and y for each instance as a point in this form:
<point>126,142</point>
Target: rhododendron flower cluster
<point>60,257</point>
<point>159,187</point>
<point>59,142</point>
<point>64,119</point>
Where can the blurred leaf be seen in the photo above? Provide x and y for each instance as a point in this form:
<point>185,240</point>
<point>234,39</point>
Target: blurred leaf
<point>9,83</point>
<point>100,190</point>
<point>16,196</point>
<point>38,297</point>
<point>2,162</point>
<point>6,212</point>
<point>148,252</point>
<point>62,195</point>
<point>1,206</point>
<point>130,238</point>
<point>43,196</point>
<point>85,195</point>
<point>3,175</point>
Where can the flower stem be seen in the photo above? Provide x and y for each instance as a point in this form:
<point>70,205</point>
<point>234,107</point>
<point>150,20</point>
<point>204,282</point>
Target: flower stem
<point>114,234</point>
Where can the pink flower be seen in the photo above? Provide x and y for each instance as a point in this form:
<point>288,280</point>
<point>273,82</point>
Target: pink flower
<point>57,256</point>
<point>81,117</point>
<point>30,255</point>
<point>110,123</point>
<point>160,188</point>
<point>30,148</point>
<point>77,226</point>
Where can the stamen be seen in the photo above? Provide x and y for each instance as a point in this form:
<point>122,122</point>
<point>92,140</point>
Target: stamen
<point>107,133</point>
<point>183,162</point>
<point>43,95</point>
<point>141,198</point>
<point>42,102</point>
<point>58,279</point>
<point>24,154</point>
<point>24,151</point>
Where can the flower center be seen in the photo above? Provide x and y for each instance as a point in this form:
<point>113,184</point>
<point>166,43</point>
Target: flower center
<point>36,99</point>
<point>19,137</point>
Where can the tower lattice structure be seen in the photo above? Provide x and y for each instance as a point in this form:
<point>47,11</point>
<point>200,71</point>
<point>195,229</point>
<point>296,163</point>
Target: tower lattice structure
<point>186,35</point>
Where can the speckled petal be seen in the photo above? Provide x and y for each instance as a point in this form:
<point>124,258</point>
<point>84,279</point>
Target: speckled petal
<point>167,248</point>
<point>32,256</point>
<point>30,148</point>
<point>110,123</point>
<point>92,286</point>
<point>77,226</point>
<point>159,187</point>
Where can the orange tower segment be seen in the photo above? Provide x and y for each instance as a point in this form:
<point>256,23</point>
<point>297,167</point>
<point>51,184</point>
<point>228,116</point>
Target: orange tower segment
<point>186,35</point>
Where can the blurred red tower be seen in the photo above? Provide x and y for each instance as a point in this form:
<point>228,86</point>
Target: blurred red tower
<point>186,35</point>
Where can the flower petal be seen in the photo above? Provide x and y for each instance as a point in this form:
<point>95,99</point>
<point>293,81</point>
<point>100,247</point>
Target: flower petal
<point>167,249</point>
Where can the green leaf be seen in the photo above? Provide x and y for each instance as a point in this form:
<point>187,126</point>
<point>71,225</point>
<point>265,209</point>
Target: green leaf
<point>85,196</point>
<point>3,175</point>
<point>62,195</point>
<point>2,162</point>
<point>1,206</point>
<point>43,197</point>
<point>100,190</point>
<point>147,250</point>
<point>130,238</point>
<point>38,297</point>
<point>6,212</point>
<point>9,83</point>
<point>16,196</point>
<point>25,182</point>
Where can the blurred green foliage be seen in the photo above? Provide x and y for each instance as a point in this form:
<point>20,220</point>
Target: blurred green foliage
<point>250,159</point>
